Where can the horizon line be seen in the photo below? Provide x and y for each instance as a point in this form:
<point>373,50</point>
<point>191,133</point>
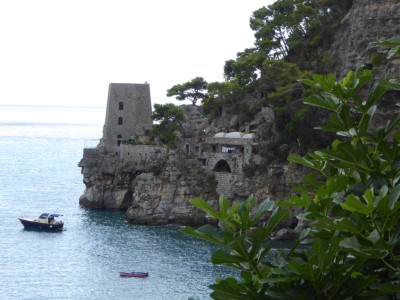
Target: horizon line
<point>59,106</point>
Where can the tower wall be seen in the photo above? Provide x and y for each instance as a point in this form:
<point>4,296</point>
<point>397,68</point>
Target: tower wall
<point>128,114</point>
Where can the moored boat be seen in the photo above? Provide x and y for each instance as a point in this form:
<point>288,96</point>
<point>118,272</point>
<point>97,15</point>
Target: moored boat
<point>134,274</point>
<point>46,222</point>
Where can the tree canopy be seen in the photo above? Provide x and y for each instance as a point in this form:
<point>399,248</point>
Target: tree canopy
<point>170,119</point>
<point>193,90</point>
<point>291,41</point>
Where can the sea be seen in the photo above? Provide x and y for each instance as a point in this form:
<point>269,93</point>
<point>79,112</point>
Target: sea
<point>40,148</point>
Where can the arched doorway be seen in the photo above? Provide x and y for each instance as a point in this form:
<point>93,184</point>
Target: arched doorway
<point>222,166</point>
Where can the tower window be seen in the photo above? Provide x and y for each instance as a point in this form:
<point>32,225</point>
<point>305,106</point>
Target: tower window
<point>120,121</point>
<point>121,106</point>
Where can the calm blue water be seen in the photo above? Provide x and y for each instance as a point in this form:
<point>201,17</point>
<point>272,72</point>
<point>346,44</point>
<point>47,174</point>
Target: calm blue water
<point>40,148</point>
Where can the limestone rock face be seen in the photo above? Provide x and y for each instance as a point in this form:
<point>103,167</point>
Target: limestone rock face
<point>106,181</point>
<point>164,200</point>
<point>153,191</point>
<point>114,183</point>
<point>367,21</point>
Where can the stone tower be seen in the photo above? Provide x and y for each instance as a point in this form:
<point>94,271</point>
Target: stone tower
<point>128,114</point>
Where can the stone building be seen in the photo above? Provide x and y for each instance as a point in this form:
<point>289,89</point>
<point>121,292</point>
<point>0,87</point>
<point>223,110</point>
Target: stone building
<point>128,115</point>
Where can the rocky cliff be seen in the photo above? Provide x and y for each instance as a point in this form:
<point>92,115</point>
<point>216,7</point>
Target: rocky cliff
<point>154,185</point>
<point>153,191</point>
<point>367,21</point>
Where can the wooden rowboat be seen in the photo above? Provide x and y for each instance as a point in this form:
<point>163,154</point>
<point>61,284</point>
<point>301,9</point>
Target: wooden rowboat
<point>134,274</point>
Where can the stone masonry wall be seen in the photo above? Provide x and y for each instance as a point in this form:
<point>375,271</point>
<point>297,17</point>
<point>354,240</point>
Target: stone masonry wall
<point>141,154</point>
<point>128,113</point>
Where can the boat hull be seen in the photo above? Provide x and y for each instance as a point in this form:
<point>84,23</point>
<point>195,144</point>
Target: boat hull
<point>134,274</point>
<point>33,225</point>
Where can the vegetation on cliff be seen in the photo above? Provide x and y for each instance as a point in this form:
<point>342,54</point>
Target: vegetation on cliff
<point>193,90</point>
<point>170,118</point>
<point>352,207</point>
<point>291,41</point>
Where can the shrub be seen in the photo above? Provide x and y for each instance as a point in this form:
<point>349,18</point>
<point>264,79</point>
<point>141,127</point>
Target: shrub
<point>250,169</point>
<point>158,166</point>
<point>353,209</point>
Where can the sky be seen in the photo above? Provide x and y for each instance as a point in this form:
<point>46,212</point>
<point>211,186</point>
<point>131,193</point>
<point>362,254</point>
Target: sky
<point>66,52</point>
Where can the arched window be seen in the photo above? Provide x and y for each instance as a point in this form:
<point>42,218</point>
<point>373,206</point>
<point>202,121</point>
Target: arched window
<point>121,106</point>
<point>119,137</point>
<point>120,121</point>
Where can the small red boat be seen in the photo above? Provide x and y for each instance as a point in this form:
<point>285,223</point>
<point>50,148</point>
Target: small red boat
<point>134,274</point>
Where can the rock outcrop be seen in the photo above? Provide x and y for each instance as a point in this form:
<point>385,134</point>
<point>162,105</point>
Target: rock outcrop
<point>367,21</point>
<point>129,184</point>
<point>154,186</point>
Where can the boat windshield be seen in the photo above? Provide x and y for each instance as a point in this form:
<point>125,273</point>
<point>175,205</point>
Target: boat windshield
<point>46,215</point>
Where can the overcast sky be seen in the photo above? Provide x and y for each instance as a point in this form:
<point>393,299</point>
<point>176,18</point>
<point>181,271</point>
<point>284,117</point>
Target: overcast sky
<point>65,53</point>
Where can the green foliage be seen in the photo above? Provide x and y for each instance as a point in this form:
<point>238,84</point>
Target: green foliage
<point>193,90</point>
<point>281,24</point>
<point>353,209</point>
<point>378,59</point>
<point>170,119</point>
<point>250,169</point>
<point>211,180</point>
<point>220,94</point>
<point>295,28</point>
<point>291,38</point>
<point>129,142</point>
<point>247,112</point>
<point>393,43</point>
<point>245,69</point>
<point>158,166</point>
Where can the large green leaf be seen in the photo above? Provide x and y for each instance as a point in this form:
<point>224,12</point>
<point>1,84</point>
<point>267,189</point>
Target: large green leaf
<point>294,157</point>
<point>329,102</point>
<point>207,233</point>
<point>353,224</point>
<point>221,257</point>
<point>276,217</point>
<point>295,201</point>
<point>365,121</point>
<point>392,42</point>
<point>266,206</point>
<point>379,89</point>
<point>258,239</point>
<point>200,203</point>
<point>230,289</point>
<point>305,269</point>
<point>353,246</point>
<point>334,124</point>
<point>393,52</point>
<point>240,248</point>
<point>395,236</point>
<point>353,82</point>
<point>321,82</point>
<point>226,209</point>
<point>348,156</point>
<point>354,204</point>
<point>394,197</point>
